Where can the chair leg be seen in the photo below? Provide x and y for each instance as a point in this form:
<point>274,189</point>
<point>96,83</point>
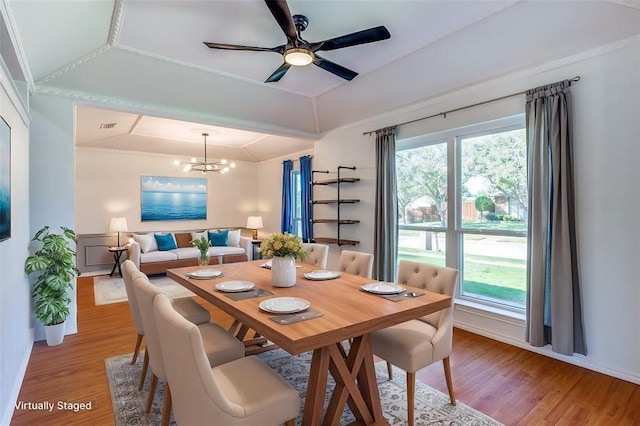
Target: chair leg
<point>137,349</point>
<point>145,367</point>
<point>447,376</point>
<point>411,398</point>
<point>166,407</point>
<point>152,391</point>
<point>291,422</point>
<point>389,370</point>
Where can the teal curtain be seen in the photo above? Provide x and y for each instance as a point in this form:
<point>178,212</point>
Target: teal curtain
<point>286,224</point>
<point>386,208</point>
<point>306,202</point>
<point>554,301</point>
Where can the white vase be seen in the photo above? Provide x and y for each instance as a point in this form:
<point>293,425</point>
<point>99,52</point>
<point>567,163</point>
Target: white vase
<point>283,271</point>
<point>54,333</point>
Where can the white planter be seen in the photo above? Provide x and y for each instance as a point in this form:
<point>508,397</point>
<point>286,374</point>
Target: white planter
<point>283,271</point>
<point>54,333</point>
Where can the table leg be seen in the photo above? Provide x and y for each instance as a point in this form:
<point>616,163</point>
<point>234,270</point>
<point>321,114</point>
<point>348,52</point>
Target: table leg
<point>316,388</point>
<point>361,395</point>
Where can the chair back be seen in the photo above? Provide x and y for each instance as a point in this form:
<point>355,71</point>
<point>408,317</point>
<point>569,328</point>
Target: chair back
<point>438,279</point>
<point>145,293</point>
<point>197,397</point>
<point>356,263</point>
<point>128,268</point>
<point>317,254</point>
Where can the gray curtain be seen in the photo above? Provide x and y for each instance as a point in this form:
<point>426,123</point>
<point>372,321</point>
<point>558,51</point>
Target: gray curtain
<point>554,302</point>
<point>386,209</point>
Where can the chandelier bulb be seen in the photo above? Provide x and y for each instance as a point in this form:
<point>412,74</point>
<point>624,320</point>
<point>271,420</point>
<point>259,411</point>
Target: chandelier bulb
<point>176,162</point>
<point>232,165</point>
<point>194,160</point>
<point>223,161</point>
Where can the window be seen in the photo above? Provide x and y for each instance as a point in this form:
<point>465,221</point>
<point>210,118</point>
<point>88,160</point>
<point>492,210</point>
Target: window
<point>462,198</point>
<point>296,195</point>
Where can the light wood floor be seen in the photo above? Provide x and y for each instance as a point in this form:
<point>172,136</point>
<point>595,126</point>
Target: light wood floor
<point>511,385</point>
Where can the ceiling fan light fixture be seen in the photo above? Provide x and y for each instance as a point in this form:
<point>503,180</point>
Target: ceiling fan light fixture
<point>298,57</point>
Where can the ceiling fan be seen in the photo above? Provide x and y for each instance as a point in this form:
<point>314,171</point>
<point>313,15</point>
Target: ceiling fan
<point>299,52</point>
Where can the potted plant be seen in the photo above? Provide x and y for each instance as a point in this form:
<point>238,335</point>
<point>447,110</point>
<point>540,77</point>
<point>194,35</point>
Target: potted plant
<point>203,245</point>
<point>285,249</point>
<point>56,266</point>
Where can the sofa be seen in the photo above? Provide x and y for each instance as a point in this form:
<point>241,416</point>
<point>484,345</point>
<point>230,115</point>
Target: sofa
<point>155,252</point>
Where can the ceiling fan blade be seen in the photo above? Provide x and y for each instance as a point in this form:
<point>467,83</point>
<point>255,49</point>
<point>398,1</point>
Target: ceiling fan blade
<point>224,46</point>
<point>277,74</point>
<point>334,68</point>
<point>360,37</point>
<point>282,14</point>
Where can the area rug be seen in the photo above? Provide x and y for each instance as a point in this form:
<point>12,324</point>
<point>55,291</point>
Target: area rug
<point>432,406</point>
<point>108,289</point>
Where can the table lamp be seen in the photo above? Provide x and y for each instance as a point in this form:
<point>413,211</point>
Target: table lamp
<point>118,224</point>
<point>254,223</point>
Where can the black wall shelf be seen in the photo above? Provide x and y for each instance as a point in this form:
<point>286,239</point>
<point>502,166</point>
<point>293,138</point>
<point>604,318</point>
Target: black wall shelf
<point>338,201</point>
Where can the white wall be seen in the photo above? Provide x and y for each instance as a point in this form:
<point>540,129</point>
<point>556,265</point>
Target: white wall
<point>51,193</point>
<point>607,131</point>
<point>16,319</point>
<point>108,184</point>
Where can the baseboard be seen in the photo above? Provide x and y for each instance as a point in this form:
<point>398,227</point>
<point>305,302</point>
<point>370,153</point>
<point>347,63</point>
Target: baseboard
<point>578,360</point>
<point>17,385</point>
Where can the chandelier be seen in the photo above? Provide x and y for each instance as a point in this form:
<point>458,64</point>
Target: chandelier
<point>206,166</point>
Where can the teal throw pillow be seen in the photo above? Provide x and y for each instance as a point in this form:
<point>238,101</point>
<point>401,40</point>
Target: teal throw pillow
<point>165,242</point>
<point>219,238</point>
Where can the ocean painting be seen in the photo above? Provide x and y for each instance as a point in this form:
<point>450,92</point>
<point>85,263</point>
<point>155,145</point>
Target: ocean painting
<point>5,180</point>
<point>172,198</point>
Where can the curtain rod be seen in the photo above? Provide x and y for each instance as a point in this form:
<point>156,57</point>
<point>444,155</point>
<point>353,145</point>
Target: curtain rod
<point>444,114</point>
<point>297,159</point>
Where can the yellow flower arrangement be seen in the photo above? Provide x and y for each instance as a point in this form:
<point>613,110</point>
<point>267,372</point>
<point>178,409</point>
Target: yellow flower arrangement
<point>283,245</point>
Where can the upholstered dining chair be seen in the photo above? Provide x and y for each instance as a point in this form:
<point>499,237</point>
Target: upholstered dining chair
<point>187,307</point>
<point>356,263</point>
<point>317,254</point>
<point>415,344</point>
<point>219,346</point>
<point>240,392</point>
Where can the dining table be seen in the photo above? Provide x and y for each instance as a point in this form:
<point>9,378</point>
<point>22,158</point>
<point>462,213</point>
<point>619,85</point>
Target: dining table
<point>336,310</point>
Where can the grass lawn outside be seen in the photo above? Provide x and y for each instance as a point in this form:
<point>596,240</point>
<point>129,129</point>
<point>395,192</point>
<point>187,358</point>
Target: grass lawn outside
<point>494,278</point>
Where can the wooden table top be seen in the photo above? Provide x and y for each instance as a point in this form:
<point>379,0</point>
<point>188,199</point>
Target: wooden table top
<point>347,310</point>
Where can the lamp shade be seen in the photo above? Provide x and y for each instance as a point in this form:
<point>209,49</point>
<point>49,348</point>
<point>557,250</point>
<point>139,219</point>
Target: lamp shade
<point>254,222</point>
<point>118,224</point>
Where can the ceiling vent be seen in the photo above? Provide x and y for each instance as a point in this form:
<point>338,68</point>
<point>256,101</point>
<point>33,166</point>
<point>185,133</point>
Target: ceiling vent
<point>108,125</point>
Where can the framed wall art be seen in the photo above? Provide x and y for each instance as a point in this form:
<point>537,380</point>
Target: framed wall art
<point>5,180</point>
<point>172,198</point>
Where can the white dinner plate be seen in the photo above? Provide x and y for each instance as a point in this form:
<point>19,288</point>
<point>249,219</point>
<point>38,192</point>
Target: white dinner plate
<point>284,305</point>
<point>268,265</point>
<point>383,288</point>
<point>321,274</point>
<point>204,274</point>
<point>235,286</point>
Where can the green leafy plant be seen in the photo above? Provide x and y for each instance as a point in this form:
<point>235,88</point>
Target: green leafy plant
<point>55,263</point>
<point>283,245</point>
<point>201,244</point>
<point>484,204</point>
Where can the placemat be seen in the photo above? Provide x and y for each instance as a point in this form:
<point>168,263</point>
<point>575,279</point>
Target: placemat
<point>293,318</point>
<point>258,292</point>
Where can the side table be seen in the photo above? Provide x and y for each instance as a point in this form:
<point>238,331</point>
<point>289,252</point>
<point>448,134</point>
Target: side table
<point>255,244</point>
<point>117,253</point>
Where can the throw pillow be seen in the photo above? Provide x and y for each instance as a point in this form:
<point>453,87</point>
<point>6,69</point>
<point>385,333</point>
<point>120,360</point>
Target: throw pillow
<point>218,238</point>
<point>198,235</point>
<point>165,242</point>
<point>234,238</point>
<point>147,242</point>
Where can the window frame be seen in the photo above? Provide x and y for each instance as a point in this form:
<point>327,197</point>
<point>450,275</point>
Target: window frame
<point>455,231</point>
